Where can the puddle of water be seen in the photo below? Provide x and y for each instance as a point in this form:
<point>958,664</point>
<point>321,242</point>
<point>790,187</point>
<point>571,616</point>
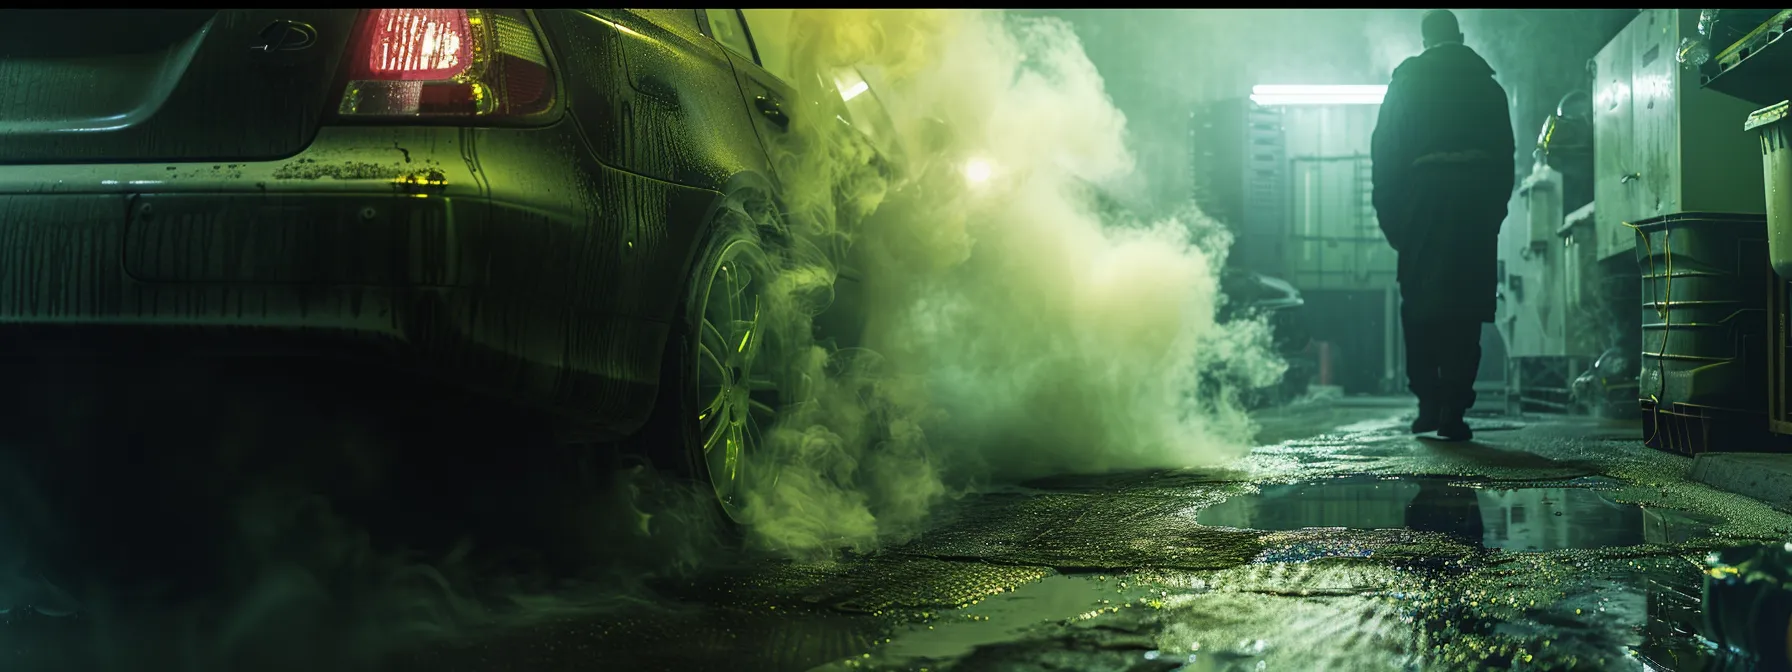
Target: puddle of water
<point>1004,617</point>
<point>1622,614</point>
<point>1374,425</point>
<point>1514,519</point>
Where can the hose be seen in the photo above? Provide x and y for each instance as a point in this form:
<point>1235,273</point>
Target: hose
<point>1661,307</point>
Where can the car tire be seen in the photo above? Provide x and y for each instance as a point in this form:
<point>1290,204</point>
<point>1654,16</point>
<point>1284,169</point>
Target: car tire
<point>719,391</point>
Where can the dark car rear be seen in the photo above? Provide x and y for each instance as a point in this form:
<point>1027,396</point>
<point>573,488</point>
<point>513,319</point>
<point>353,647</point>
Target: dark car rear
<point>534,206</point>
<point>418,188</point>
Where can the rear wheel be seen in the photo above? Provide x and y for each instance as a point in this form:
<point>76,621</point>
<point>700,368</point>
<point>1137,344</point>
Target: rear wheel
<point>719,391</point>
<point>736,400</point>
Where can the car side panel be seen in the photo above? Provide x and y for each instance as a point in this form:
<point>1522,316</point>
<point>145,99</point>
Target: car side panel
<point>620,237</point>
<point>681,21</point>
<point>652,101</point>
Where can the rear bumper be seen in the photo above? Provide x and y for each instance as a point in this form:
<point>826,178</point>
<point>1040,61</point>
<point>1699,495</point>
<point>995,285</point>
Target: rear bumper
<point>406,280</point>
<point>212,260</point>
<point>330,262</point>
<point>502,259</point>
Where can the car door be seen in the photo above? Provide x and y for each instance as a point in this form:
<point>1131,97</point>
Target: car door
<point>768,98</point>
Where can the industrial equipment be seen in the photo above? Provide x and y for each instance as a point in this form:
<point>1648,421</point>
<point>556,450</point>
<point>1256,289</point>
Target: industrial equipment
<point>1663,144</point>
<point>1753,68</point>
<point>1547,283</point>
<point>1251,295</point>
<point>1239,164</point>
<point>1537,295</point>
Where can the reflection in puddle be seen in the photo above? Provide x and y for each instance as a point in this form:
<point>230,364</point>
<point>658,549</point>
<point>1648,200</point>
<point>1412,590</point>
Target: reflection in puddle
<point>1670,639</point>
<point>1515,519</point>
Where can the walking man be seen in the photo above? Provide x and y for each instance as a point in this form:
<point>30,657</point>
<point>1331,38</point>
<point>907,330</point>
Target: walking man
<point>1443,171</point>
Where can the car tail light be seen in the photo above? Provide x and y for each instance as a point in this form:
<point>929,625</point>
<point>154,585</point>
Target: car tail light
<point>445,64</point>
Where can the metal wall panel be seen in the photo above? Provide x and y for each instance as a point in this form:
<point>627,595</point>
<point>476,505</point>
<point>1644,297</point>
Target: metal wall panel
<point>1336,242</point>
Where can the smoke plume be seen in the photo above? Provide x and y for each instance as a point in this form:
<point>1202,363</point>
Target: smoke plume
<point>1015,325</point>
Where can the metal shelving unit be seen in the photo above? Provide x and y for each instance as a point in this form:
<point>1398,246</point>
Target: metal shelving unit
<point>1754,68</point>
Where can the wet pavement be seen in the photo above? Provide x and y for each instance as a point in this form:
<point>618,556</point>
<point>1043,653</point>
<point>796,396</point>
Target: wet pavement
<point>1341,543</point>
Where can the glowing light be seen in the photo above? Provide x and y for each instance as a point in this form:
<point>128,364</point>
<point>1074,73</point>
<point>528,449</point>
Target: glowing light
<point>850,83</point>
<point>421,44</point>
<point>977,171</point>
<point>853,91</point>
<point>1309,94</point>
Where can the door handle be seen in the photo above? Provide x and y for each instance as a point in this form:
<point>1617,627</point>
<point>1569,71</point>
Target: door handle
<point>1631,177</point>
<point>772,111</point>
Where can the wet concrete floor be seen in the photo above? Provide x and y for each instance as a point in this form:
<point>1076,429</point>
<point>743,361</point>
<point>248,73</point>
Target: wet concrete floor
<point>1341,542</point>
<point>1545,544</point>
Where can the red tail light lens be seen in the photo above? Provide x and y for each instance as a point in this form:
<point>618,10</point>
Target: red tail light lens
<point>420,44</point>
<point>446,63</point>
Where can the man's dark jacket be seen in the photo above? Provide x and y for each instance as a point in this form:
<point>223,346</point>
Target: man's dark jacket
<point>1443,172</point>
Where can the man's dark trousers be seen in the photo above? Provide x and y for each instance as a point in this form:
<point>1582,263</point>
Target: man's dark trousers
<point>1442,357</point>
<point>1448,284</point>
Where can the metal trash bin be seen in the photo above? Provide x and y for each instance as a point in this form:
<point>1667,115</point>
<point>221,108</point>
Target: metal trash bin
<point>1776,174</point>
<point>1776,178</point>
<point>1703,383</point>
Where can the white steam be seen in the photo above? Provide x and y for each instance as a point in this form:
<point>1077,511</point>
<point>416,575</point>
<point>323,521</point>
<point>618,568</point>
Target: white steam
<point>1014,330</point>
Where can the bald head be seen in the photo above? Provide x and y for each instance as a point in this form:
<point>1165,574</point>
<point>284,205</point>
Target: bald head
<point>1439,27</point>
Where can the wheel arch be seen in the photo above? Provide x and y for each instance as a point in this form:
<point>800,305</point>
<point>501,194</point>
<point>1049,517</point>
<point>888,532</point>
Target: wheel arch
<point>742,188</point>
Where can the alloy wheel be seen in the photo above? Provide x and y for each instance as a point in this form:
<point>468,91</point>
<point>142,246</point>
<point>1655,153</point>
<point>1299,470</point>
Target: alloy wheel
<point>736,397</point>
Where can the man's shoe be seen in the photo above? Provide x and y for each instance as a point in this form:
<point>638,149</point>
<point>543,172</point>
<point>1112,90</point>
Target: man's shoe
<point>1427,422</point>
<point>1455,429</point>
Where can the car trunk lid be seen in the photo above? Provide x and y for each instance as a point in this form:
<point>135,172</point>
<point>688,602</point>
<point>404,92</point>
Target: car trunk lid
<point>97,86</point>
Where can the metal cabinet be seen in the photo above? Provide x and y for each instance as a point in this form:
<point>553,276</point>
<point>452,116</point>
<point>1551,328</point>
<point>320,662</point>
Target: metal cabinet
<point>1654,159</point>
<point>1662,144</point>
<point>1612,143</point>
